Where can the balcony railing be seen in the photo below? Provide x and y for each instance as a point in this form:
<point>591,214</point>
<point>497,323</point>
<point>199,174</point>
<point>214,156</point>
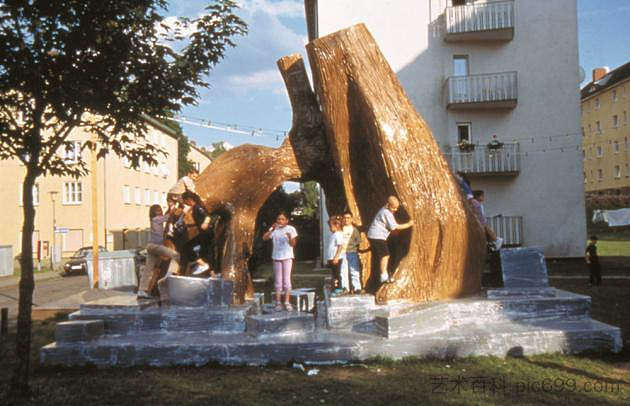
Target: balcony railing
<point>510,228</point>
<point>480,22</point>
<point>483,161</point>
<point>491,90</point>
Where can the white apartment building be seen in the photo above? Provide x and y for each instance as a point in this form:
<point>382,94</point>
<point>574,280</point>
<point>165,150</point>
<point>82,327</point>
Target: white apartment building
<point>481,70</point>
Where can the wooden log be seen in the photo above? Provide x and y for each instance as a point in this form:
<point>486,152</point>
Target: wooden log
<point>383,147</point>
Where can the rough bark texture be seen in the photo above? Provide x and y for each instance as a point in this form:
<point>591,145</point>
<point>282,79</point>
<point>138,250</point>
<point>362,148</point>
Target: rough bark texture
<point>385,148</point>
<point>369,143</point>
<point>237,184</point>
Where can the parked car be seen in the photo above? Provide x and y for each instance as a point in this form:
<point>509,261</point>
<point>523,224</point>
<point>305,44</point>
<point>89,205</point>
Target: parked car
<point>77,263</point>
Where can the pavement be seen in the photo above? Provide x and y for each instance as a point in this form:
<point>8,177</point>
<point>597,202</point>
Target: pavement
<point>50,287</point>
<point>39,276</point>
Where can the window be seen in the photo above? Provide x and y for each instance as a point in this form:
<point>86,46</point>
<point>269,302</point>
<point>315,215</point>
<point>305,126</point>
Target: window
<point>583,154</point>
<point>590,130</point>
<point>156,197</point>
<point>137,195</point>
<point>147,197</point>
<point>598,127</point>
<point>35,194</point>
<point>615,121</point>
<point>458,3</point>
<point>625,144</point>
<point>617,171</point>
<point>600,174</point>
<point>600,152</point>
<point>614,96</point>
<point>71,152</point>
<point>585,180</point>
<point>627,170</point>
<point>616,146</point>
<point>460,65</point>
<point>163,200</point>
<point>72,193</point>
<point>625,118</point>
<point>126,194</point>
<point>597,103</point>
<point>464,132</point>
<point>583,134</point>
<point>592,177</point>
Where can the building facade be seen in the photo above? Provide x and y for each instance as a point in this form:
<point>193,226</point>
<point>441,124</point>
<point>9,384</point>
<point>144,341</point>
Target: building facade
<point>63,205</point>
<point>606,135</point>
<point>480,71</point>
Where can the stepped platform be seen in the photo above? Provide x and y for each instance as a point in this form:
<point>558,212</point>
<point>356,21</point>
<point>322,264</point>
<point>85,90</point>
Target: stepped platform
<point>196,324</point>
<point>129,335</point>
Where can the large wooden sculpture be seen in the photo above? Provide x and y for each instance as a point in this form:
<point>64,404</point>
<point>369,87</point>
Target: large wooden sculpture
<point>366,142</point>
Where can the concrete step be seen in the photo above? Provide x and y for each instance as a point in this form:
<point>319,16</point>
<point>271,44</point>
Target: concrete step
<point>500,339</point>
<point>280,323</point>
<point>191,292</point>
<point>172,319</point>
<point>79,330</point>
<point>348,311</point>
<point>433,317</point>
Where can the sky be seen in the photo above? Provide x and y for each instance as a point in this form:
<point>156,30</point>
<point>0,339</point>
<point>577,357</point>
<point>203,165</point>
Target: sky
<point>247,89</point>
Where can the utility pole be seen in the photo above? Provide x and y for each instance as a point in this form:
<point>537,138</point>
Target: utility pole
<point>93,170</point>
<point>53,196</point>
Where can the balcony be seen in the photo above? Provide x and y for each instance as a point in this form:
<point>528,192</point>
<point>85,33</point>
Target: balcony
<point>480,22</point>
<point>483,161</point>
<point>490,90</point>
<point>510,228</point>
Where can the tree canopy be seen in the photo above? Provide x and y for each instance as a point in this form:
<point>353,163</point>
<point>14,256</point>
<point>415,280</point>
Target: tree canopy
<point>102,66</point>
<point>112,59</point>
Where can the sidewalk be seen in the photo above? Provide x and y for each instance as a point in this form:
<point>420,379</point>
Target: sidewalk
<point>7,281</point>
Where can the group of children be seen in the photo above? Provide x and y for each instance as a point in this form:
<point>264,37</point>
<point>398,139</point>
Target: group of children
<point>342,255</point>
<point>167,228</point>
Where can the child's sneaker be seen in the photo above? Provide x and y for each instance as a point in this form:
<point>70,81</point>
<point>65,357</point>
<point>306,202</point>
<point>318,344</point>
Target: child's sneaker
<point>278,307</point>
<point>288,306</point>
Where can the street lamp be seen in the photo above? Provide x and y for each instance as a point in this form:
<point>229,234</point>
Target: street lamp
<point>53,196</point>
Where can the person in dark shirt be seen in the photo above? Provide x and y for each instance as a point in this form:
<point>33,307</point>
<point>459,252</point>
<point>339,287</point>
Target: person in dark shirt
<point>198,249</point>
<point>592,261</point>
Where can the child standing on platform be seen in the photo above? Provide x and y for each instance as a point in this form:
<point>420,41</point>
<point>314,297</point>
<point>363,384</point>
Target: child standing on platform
<point>335,254</point>
<point>284,238</point>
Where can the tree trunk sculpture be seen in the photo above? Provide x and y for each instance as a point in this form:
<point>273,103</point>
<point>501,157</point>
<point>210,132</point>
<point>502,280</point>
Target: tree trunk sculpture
<point>367,142</point>
<point>387,149</point>
<point>238,183</point>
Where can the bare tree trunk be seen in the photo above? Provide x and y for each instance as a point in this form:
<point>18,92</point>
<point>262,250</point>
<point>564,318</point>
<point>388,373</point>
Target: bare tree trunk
<point>385,148</point>
<point>27,285</point>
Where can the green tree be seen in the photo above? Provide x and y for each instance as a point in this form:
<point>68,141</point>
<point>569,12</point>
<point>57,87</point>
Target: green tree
<point>97,65</point>
<point>310,199</point>
<point>217,149</point>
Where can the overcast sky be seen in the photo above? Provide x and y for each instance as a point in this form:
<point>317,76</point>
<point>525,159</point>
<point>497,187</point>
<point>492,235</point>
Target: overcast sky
<point>247,90</point>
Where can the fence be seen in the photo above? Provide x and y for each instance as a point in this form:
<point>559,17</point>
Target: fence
<point>116,269</point>
<point>510,228</point>
<point>482,160</point>
<point>482,88</point>
<point>480,17</point>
